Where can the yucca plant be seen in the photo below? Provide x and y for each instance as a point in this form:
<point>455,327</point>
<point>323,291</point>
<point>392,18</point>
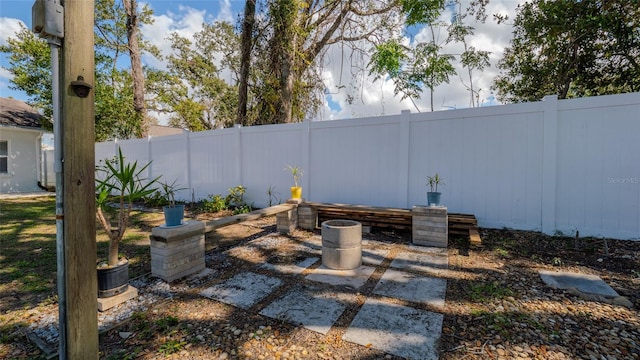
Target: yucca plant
<point>120,183</point>
<point>434,181</point>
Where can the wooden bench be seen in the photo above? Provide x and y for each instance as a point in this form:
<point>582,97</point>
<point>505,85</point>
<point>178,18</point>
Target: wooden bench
<point>210,226</point>
<point>367,215</point>
<point>396,218</point>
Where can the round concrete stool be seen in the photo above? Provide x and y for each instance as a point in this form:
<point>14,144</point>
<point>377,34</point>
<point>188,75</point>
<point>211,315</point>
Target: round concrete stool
<point>341,244</point>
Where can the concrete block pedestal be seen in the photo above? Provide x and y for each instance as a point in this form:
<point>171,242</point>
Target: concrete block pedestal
<point>287,221</point>
<point>307,217</point>
<point>430,226</point>
<point>177,251</point>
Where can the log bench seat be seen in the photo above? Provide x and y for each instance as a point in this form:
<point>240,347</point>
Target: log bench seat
<point>211,225</point>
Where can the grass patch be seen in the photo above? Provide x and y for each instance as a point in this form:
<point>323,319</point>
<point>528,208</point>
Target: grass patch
<point>172,346</point>
<point>28,261</point>
<point>480,292</point>
<point>28,243</point>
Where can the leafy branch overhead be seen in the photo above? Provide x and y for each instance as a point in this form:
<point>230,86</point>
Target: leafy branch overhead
<point>413,65</point>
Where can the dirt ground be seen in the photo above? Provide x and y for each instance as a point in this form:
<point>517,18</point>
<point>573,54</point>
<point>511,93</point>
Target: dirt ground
<point>496,306</point>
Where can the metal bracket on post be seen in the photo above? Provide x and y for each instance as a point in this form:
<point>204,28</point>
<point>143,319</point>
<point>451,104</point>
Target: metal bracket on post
<point>47,17</point>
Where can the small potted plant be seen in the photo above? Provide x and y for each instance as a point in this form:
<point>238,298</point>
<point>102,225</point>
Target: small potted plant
<point>433,196</point>
<point>118,185</point>
<point>296,190</point>
<point>173,213</point>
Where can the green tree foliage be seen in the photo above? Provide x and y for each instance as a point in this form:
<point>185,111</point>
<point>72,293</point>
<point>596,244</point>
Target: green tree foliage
<point>116,115</point>
<point>195,94</point>
<point>291,38</point>
<point>117,24</point>
<point>572,49</point>
<point>420,64</point>
<point>424,64</point>
<point>470,58</point>
<point>30,65</point>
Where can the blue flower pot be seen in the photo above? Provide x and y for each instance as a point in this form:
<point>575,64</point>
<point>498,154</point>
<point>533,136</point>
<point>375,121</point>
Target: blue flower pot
<point>433,198</point>
<point>173,215</point>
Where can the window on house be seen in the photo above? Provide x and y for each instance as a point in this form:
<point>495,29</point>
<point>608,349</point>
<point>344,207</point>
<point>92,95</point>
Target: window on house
<point>4,156</point>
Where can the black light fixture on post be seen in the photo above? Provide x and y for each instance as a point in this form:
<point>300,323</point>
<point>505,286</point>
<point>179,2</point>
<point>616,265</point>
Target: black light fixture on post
<point>80,87</point>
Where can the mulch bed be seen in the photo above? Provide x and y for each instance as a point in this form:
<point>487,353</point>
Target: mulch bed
<point>496,307</point>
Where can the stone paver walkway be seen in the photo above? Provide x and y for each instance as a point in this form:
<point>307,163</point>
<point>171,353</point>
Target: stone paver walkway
<point>392,318</point>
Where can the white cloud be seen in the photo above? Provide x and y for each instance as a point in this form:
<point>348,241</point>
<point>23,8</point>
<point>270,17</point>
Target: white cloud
<point>186,22</point>
<point>5,74</point>
<point>8,28</point>
<point>225,14</point>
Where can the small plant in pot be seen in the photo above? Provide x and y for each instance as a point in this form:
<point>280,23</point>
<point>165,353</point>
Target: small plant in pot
<point>296,190</point>
<point>173,213</point>
<point>118,185</point>
<point>433,196</point>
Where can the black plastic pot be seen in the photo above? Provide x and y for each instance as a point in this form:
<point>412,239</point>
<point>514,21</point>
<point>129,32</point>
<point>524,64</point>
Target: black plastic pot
<point>113,280</point>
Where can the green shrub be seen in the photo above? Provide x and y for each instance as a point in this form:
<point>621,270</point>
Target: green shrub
<point>157,199</point>
<point>234,201</point>
<point>213,203</point>
<point>235,197</point>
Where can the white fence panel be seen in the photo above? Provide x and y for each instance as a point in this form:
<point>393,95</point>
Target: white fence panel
<point>357,162</point>
<point>265,153</point>
<point>599,167</point>
<point>105,150</point>
<point>213,162</point>
<point>491,164</point>
<point>170,161</point>
<point>552,165</point>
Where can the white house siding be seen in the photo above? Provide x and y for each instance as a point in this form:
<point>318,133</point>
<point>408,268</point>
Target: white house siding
<point>23,164</point>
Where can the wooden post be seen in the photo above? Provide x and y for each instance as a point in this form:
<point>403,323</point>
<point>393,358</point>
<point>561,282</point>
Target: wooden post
<point>79,182</point>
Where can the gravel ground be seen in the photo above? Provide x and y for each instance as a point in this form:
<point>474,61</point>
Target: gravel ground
<point>496,306</point>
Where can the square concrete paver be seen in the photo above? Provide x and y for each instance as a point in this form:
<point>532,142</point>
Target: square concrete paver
<point>243,290</point>
<point>428,249</point>
<point>589,284</point>
<point>373,256</point>
<point>395,329</point>
<point>311,245</point>
<point>411,287</point>
<point>310,307</point>
<point>291,269</point>
<point>420,261</point>
<point>354,278</point>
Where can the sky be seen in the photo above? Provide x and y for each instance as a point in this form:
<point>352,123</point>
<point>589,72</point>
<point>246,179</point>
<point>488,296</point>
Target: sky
<point>370,98</point>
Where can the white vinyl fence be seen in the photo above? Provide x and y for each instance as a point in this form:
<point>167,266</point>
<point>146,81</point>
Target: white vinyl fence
<point>551,166</point>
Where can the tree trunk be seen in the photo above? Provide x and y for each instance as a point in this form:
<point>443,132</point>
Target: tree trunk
<point>245,60</point>
<point>136,64</point>
<point>283,48</point>
<point>286,86</point>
